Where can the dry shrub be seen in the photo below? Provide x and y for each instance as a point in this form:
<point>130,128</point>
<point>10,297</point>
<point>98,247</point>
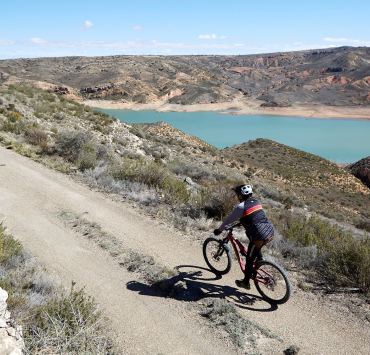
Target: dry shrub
<point>221,203</point>
<point>14,122</point>
<point>224,314</point>
<point>9,247</point>
<point>151,174</point>
<point>36,136</point>
<point>70,143</point>
<point>146,266</point>
<point>69,324</point>
<point>341,259</point>
<point>53,322</point>
<point>87,158</point>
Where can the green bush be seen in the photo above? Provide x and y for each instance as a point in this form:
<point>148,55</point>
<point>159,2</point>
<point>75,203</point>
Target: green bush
<point>175,190</point>
<point>138,170</point>
<point>9,247</point>
<point>14,116</point>
<point>26,90</point>
<point>342,259</point>
<point>151,174</point>
<point>14,122</point>
<point>87,158</point>
<point>69,144</point>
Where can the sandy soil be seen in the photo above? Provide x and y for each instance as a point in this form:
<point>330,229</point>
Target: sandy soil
<point>31,196</point>
<point>239,107</point>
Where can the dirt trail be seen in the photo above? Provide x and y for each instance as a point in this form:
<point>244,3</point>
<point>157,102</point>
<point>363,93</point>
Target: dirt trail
<point>31,196</point>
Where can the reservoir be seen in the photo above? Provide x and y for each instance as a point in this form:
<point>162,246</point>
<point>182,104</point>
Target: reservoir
<point>339,140</point>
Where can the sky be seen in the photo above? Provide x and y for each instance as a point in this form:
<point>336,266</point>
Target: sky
<point>40,28</point>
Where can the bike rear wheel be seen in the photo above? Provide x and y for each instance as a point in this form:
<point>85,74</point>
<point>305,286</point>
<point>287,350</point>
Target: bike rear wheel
<point>272,282</point>
<point>217,256</point>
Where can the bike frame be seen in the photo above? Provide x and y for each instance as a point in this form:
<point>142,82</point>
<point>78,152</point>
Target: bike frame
<point>261,276</point>
<point>238,248</point>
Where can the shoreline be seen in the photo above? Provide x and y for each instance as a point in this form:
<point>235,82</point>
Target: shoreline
<point>243,108</point>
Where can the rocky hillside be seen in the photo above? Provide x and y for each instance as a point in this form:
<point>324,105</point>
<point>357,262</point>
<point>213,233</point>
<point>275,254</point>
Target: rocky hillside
<point>278,172</point>
<point>300,178</point>
<point>335,76</point>
<point>361,170</point>
<point>187,183</point>
<point>72,137</point>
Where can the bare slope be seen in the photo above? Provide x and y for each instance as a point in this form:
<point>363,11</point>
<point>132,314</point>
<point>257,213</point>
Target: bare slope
<point>335,76</point>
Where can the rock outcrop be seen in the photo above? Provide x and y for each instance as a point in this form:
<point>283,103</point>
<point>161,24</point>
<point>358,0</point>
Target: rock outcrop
<point>11,341</point>
<point>361,170</point>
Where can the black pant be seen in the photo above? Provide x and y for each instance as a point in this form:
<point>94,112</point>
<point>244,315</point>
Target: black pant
<point>253,254</point>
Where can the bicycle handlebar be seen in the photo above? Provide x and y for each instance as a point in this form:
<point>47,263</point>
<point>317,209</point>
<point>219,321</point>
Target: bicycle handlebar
<point>232,226</point>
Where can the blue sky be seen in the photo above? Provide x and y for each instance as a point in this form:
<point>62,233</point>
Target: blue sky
<point>41,28</point>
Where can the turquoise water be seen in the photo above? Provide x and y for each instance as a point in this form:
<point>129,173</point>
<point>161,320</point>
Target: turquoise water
<point>341,140</point>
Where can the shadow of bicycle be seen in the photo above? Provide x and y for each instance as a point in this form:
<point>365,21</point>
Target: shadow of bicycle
<point>196,284</point>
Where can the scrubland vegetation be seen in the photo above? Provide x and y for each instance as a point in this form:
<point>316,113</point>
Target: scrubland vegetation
<point>187,182</point>
<point>54,321</point>
<point>340,259</point>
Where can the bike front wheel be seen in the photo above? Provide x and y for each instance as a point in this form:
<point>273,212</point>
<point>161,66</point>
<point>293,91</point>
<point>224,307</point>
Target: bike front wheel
<point>272,282</point>
<point>217,256</point>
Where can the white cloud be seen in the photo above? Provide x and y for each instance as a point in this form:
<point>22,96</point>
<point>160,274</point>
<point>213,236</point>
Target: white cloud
<point>335,39</point>
<point>137,27</point>
<point>347,41</point>
<point>88,24</point>
<point>5,42</point>
<point>38,41</point>
<point>41,47</point>
<point>38,47</point>
<point>211,36</point>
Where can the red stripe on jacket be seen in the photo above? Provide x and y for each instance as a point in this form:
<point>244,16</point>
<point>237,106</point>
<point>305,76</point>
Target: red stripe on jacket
<point>251,210</point>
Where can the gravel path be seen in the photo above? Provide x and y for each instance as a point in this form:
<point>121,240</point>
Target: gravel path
<point>31,197</point>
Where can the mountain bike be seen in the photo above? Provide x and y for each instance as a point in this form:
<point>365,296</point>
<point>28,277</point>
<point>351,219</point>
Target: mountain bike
<point>270,279</point>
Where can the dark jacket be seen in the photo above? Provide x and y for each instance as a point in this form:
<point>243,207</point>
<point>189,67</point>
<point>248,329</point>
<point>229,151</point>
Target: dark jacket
<point>253,218</point>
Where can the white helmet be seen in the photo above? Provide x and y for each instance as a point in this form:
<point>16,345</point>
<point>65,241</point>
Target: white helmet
<point>244,190</point>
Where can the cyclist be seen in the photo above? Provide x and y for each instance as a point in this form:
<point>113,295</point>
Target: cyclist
<point>258,228</point>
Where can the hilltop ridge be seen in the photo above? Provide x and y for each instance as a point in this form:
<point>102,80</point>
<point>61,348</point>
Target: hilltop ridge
<point>333,77</point>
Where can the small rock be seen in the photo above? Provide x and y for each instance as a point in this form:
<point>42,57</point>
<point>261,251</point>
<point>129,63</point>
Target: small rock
<point>292,350</point>
<point>3,323</point>
<point>3,295</point>
<point>19,332</point>
<point>189,181</point>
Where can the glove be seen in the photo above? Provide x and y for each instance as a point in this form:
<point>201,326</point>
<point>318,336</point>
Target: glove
<point>217,231</point>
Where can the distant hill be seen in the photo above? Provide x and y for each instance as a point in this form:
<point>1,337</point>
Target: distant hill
<point>299,178</point>
<point>335,76</point>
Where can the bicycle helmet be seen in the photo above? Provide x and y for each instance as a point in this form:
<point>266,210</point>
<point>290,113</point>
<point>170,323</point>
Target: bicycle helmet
<point>244,190</point>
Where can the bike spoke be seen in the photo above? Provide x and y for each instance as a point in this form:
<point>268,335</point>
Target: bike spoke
<point>271,282</point>
<point>217,255</point>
